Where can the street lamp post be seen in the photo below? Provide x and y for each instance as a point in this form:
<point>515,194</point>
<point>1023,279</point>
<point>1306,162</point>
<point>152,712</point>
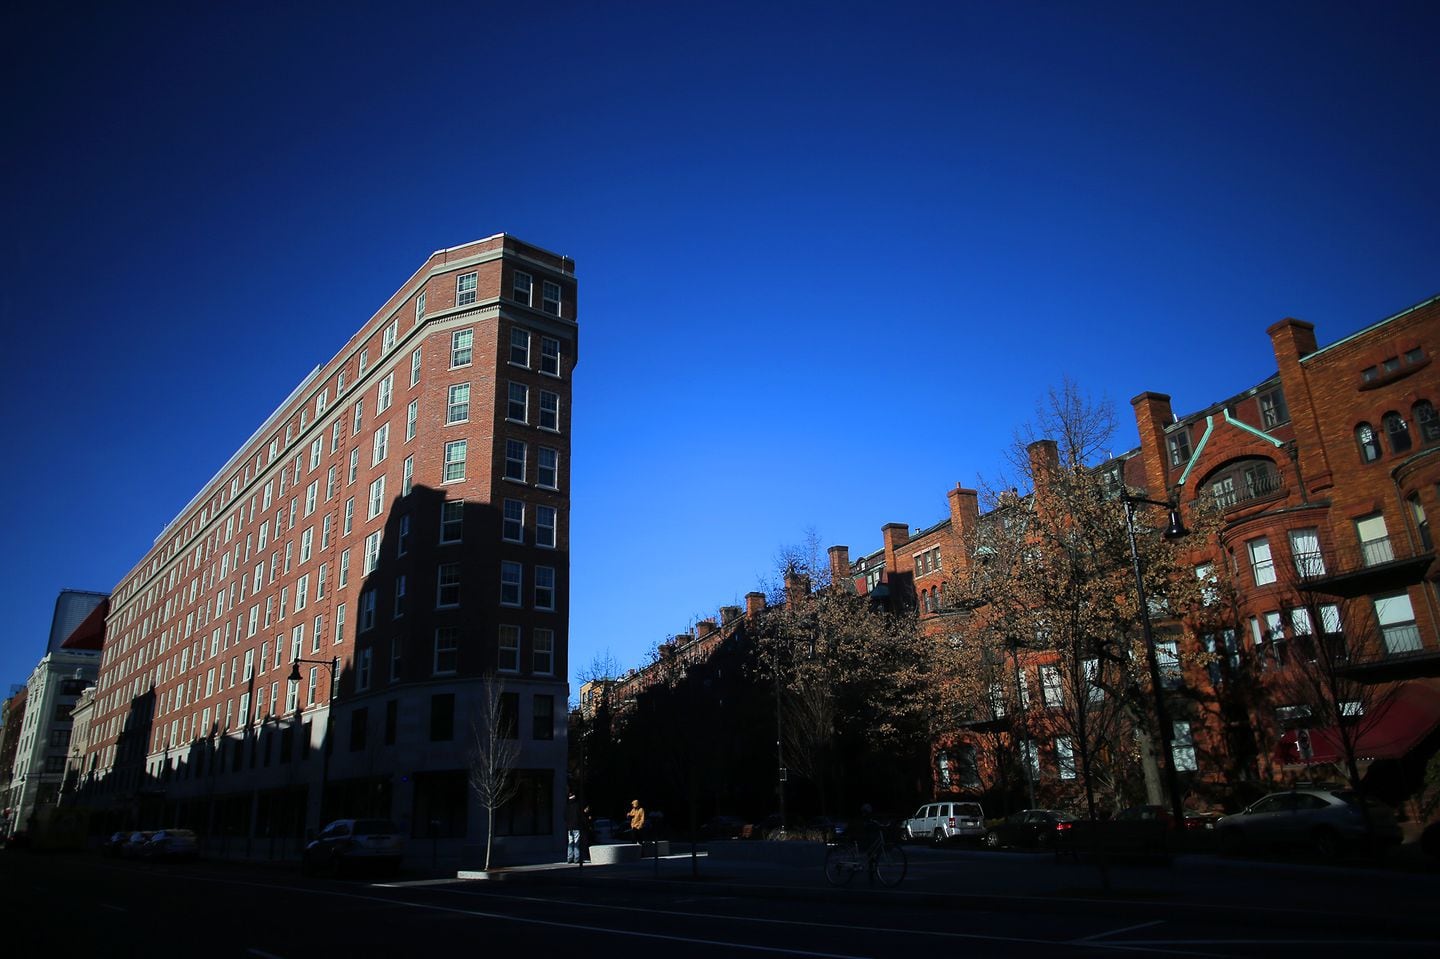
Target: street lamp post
<point>1174,530</point>
<point>333,665</point>
<point>1024,710</point>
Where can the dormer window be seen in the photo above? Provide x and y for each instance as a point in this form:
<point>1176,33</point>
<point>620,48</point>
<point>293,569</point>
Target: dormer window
<point>1273,411</point>
<point>1179,443</point>
<point>1243,481</point>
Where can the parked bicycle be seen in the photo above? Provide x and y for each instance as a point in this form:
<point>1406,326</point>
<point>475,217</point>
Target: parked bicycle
<point>876,856</point>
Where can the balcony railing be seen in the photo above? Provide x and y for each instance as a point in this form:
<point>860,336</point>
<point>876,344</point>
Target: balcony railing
<point>1248,488</point>
<point>1374,566</point>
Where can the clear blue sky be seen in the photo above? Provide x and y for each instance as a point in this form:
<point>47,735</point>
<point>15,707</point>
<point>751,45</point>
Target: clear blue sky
<point>829,253</point>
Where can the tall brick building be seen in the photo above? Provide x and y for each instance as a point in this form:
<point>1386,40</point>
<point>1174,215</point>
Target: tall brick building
<point>404,513</point>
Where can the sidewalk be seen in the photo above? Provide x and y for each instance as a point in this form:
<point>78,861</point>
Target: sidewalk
<point>1011,881</point>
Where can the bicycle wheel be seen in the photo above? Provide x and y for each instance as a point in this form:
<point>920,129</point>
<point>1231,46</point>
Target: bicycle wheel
<point>842,862</point>
<point>890,864</point>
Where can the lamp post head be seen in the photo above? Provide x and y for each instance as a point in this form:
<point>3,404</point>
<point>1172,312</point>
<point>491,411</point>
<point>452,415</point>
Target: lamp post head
<point>294,676</point>
<point>1176,527</point>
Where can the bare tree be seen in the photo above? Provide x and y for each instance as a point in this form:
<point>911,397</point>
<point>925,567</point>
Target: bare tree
<point>1082,427</point>
<point>1051,579</point>
<point>494,751</point>
<point>1314,656</point>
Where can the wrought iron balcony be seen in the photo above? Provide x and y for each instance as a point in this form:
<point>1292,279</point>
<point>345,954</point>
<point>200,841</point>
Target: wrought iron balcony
<point>1374,566</point>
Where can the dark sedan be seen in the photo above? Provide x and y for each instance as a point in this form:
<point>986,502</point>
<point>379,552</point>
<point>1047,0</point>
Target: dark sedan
<point>1029,829</point>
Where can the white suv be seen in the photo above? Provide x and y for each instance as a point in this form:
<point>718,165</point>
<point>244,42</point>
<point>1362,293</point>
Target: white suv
<point>943,821</point>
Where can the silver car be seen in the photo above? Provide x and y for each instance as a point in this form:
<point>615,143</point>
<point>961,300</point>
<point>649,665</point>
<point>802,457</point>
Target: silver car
<point>1325,820</point>
<point>355,843</point>
<point>945,821</point>
<point>172,844</point>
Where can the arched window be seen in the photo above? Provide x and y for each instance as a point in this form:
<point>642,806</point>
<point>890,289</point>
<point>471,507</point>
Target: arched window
<point>1398,432</point>
<point>1427,420</point>
<point>1369,443</point>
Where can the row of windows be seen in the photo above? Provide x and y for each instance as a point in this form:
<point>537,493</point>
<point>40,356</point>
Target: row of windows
<point>447,591</point>
<point>520,354</point>
<point>1397,431</point>
<point>1273,412</point>
<point>522,290</point>
<point>445,655</point>
<point>1371,533</point>
<point>462,350</point>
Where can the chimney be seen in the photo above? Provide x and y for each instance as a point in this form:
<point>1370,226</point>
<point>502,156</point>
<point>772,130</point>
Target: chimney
<point>728,614</point>
<point>1044,461</point>
<point>754,604</point>
<point>896,535</point>
<point>797,585</point>
<point>1292,341</point>
<point>704,628</point>
<point>839,565</point>
<point>964,511</point>
<point>1152,415</point>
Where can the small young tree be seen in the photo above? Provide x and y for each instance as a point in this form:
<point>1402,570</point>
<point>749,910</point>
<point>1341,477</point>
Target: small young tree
<point>494,751</point>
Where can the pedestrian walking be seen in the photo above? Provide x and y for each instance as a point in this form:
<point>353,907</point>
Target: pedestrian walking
<point>572,829</point>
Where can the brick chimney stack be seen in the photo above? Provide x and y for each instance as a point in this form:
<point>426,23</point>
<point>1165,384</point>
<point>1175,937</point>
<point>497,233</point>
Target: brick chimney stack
<point>896,535</point>
<point>1293,340</point>
<point>964,511</point>
<point>1152,416</point>
<point>704,628</point>
<point>728,614</point>
<point>839,565</point>
<point>754,604</point>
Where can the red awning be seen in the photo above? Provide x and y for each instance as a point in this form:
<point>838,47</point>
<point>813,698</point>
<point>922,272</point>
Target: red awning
<point>1396,727</point>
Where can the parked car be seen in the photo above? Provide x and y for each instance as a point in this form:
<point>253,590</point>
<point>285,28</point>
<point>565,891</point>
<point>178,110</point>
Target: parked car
<point>829,829</point>
<point>1325,820</point>
<point>722,827</point>
<point>172,844</point>
<point>112,844</point>
<point>348,844</point>
<point>1162,814</point>
<point>945,821</point>
<point>134,845</point>
<point>1029,829</point>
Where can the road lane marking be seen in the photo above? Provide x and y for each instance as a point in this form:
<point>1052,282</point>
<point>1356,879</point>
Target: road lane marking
<point>1116,932</point>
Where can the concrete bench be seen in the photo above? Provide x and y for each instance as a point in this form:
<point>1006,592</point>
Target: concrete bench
<point>609,853</point>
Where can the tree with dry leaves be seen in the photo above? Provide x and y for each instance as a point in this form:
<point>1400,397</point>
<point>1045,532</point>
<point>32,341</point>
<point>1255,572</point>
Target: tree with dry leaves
<point>853,684</point>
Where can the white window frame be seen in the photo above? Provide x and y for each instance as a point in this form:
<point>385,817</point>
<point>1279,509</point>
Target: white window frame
<point>456,452</point>
<point>512,521</point>
<point>462,348</point>
<point>1262,562</point>
<point>466,288</point>
<point>549,411</point>
<point>457,404</point>
<point>512,583</point>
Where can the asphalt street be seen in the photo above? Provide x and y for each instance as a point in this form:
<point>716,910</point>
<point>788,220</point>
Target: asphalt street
<point>952,902</point>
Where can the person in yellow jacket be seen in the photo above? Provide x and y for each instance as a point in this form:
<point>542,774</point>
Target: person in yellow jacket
<point>637,819</point>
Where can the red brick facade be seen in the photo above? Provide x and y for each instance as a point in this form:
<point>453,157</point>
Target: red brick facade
<point>364,460</point>
<point>1285,464</point>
